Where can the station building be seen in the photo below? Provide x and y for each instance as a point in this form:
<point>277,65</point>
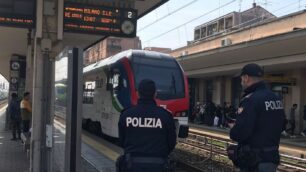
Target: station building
<point>109,47</point>
<point>213,60</point>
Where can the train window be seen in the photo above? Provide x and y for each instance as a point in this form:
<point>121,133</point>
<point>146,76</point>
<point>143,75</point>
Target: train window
<point>88,92</point>
<point>114,81</point>
<point>99,82</point>
<point>166,74</point>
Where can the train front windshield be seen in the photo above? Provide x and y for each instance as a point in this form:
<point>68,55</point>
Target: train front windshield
<point>166,74</point>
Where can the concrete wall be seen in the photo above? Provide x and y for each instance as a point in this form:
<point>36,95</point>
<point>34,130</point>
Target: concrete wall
<point>5,67</point>
<point>297,97</point>
<point>228,90</point>
<point>201,90</point>
<point>217,91</point>
<point>222,90</point>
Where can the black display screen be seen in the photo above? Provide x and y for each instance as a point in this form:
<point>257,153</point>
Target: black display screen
<point>17,13</point>
<point>82,18</point>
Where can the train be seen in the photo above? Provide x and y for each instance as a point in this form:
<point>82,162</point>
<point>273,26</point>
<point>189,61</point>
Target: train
<point>110,85</point>
<point>3,94</point>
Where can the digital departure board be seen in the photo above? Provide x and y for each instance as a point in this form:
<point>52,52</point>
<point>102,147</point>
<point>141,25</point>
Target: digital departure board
<point>17,13</point>
<point>102,20</point>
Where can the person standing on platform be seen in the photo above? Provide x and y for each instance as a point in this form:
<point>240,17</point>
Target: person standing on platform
<point>146,133</point>
<point>258,126</point>
<point>26,112</point>
<point>14,112</point>
<point>292,119</point>
<point>303,133</point>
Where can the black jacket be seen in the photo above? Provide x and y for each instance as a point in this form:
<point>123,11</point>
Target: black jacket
<point>14,110</point>
<point>147,130</point>
<point>259,123</point>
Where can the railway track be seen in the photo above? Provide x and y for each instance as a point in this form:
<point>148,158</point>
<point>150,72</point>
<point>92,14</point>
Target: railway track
<point>204,152</point>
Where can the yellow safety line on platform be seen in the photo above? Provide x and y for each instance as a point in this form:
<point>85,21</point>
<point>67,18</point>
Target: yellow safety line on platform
<point>95,145</point>
<point>100,147</point>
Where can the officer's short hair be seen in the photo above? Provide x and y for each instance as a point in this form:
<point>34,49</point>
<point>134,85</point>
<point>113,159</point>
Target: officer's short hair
<point>294,105</point>
<point>146,88</point>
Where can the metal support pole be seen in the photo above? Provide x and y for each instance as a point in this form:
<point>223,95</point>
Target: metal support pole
<point>29,62</point>
<point>35,159</point>
<point>46,115</point>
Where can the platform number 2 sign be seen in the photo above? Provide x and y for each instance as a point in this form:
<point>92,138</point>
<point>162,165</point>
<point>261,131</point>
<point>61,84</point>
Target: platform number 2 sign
<point>130,15</point>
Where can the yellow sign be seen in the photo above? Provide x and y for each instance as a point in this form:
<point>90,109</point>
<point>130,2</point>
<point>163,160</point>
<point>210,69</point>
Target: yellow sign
<point>280,79</point>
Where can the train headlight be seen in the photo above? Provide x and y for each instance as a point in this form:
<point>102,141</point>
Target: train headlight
<point>180,114</point>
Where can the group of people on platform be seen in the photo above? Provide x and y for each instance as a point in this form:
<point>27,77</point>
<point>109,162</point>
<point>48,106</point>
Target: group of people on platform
<point>211,114</point>
<point>20,114</point>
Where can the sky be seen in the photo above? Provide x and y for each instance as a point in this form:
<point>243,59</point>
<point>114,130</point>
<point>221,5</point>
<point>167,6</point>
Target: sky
<point>160,28</point>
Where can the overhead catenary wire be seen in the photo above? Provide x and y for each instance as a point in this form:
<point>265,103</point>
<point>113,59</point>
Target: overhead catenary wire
<point>192,20</point>
<point>167,15</point>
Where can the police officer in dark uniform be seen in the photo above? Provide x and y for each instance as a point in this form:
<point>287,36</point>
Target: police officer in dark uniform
<point>259,124</point>
<point>146,133</point>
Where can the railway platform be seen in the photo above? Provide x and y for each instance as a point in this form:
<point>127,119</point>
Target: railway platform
<point>12,154</point>
<point>14,158</point>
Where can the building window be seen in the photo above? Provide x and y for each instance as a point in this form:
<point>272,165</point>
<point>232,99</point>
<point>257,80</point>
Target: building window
<point>221,25</point>
<point>228,22</point>
<point>203,32</point>
<point>212,29</point>
<point>197,34</point>
<point>114,45</point>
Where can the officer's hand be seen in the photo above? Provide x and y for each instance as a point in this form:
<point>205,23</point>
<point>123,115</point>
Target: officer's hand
<point>231,125</point>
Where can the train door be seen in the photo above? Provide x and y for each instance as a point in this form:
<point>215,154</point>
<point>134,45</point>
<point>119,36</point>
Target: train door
<point>118,86</point>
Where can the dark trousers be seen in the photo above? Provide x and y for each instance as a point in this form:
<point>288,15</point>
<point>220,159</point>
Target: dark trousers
<point>262,167</point>
<point>16,128</point>
<point>25,126</point>
<point>147,168</point>
<point>292,127</point>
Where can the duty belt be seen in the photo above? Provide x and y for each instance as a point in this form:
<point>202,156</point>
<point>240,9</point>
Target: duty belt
<point>151,160</point>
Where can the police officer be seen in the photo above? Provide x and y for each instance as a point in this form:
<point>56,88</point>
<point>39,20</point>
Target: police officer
<point>259,123</point>
<point>146,133</point>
